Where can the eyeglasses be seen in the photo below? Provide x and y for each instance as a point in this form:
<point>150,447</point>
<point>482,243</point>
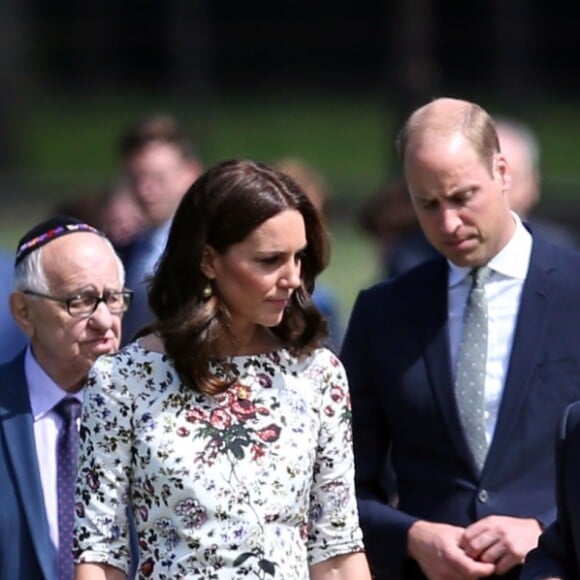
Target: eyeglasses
<point>84,305</point>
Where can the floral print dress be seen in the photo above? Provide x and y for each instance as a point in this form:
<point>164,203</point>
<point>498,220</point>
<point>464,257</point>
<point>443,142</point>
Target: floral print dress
<point>256,482</point>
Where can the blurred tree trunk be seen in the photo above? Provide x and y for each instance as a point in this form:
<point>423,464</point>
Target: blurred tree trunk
<point>12,29</point>
<point>95,32</point>
<point>191,44</point>
<point>413,70</point>
<point>190,47</point>
<point>515,28</point>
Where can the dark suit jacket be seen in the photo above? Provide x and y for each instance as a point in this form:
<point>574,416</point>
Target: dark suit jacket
<point>12,339</point>
<point>140,258</point>
<point>413,249</point>
<point>558,554</point>
<point>26,551</point>
<point>397,359</point>
<point>139,313</point>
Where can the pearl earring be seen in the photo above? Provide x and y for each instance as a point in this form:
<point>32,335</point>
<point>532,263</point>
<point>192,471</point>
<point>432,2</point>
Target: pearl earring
<point>207,291</point>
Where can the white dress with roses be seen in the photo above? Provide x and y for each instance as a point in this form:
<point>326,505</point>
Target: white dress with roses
<point>254,483</point>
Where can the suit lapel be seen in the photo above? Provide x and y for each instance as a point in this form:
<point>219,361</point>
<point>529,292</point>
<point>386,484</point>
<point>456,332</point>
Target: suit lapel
<point>568,476</point>
<point>17,423</point>
<point>528,341</point>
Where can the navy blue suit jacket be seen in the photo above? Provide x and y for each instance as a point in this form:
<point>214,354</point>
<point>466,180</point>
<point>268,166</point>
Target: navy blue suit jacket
<point>139,313</point>
<point>558,553</point>
<point>26,551</point>
<point>396,354</point>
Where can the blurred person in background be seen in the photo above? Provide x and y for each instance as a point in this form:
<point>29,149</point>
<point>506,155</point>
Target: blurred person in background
<point>388,217</point>
<point>226,426</point>
<point>121,217</point>
<point>461,367</point>
<point>159,164</point>
<point>68,300</point>
<point>12,339</point>
<point>112,209</point>
<point>521,148</point>
<point>85,205</point>
<point>314,185</point>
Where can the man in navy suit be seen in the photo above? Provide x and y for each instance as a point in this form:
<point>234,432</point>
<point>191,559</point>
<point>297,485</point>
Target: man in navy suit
<point>69,299</point>
<point>558,554</point>
<point>456,517</point>
<point>159,165</point>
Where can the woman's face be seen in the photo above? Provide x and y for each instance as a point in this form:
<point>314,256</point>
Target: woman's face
<point>256,277</point>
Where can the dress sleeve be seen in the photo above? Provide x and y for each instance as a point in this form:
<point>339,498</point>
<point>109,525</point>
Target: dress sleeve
<point>101,527</point>
<point>333,520</point>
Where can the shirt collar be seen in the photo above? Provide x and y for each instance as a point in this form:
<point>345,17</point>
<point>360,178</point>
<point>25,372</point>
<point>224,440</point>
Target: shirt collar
<point>159,235</point>
<point>512,261</point>
<point>44,393</point>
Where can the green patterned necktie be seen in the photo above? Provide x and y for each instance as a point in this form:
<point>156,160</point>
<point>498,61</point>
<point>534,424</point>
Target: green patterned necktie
<point>471,365</point>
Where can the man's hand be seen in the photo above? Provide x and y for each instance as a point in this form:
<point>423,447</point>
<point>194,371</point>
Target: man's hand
<point>501,540</point>
<point>436,549</point>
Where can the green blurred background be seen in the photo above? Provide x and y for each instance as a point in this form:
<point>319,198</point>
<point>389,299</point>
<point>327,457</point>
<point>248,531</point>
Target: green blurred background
<point>329,82</point>
<point>70,153</point>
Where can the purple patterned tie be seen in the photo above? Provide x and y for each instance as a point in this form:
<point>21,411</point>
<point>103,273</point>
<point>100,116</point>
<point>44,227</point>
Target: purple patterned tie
<point>69,410</point>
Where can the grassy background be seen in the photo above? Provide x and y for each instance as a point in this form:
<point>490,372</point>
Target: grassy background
<point>67,148</point>
<point>69,140</point>
<point>72,139</point>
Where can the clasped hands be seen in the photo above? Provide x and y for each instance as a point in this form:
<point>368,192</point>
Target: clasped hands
<point>492,545</point>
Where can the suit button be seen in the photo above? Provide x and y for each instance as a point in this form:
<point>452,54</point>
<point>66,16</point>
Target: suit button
<point>482,496</point>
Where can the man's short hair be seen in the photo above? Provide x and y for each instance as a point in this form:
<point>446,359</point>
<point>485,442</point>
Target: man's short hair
<point>159,128</point>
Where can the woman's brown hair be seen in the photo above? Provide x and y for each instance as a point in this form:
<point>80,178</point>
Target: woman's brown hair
<point>222,208</point>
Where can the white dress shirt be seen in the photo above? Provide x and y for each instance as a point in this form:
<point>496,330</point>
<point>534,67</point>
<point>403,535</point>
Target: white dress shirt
<point>503,289</point>
<point>44,394</point>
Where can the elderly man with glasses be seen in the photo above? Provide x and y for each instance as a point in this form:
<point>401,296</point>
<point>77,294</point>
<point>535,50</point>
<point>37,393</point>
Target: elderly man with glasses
<point>68,298</point>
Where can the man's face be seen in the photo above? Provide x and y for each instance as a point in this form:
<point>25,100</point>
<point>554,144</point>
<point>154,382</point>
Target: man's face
<point>66,347</point>
<point>461,205</point>
<point>158,176</point>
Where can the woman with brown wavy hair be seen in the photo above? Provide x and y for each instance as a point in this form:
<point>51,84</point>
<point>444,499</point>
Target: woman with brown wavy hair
<point>225,427</point>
